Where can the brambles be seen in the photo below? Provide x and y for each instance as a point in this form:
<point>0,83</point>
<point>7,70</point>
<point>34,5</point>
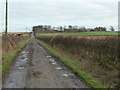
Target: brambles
<point>9,42</point>
<point>104,50</point>
<point>97,55</point>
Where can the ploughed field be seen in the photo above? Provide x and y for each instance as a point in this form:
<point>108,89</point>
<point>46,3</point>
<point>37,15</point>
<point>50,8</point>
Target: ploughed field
<point>95,55</point>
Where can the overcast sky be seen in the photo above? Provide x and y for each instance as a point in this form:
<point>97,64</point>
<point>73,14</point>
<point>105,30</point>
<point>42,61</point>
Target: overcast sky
<point>89,13</point>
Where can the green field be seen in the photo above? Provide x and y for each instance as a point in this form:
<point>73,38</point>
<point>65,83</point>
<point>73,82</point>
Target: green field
<point>82,33</point>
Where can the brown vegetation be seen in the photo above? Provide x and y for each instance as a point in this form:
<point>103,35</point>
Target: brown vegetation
<point>9,42</point>
<point>95,55</point>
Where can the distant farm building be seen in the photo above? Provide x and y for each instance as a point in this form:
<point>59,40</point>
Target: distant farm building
<point>42,29</point>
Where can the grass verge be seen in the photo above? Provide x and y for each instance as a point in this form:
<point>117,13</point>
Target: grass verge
<point>92,82</point>
<point>8,58</point>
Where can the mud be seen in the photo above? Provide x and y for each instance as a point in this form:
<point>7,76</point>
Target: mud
<point>36,68</point>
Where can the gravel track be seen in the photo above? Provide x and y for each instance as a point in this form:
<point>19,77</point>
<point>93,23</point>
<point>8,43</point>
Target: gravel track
<point>34,67</point>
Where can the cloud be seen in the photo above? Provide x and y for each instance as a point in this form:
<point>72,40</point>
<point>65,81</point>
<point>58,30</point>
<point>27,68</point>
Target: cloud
<point>62,0</point>
<point>89,13</point>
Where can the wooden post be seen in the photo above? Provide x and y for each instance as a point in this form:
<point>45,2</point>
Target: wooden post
<point>6,18</point>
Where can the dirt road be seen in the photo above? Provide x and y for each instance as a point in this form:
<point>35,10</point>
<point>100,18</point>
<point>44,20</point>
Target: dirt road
<point>36,68</point>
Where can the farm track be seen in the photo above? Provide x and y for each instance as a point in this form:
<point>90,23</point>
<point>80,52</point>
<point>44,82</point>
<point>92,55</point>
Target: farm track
<point>34,67</point>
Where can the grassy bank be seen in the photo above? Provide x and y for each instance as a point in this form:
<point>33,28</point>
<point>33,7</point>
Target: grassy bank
<point>8,58</point>
<point>81,33</point>
<point>92,82</point>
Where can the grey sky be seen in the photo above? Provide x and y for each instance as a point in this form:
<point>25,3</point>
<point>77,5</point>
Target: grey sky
<point>88,13</point>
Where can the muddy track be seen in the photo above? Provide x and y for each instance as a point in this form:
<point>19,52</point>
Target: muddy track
<point>36,68</point>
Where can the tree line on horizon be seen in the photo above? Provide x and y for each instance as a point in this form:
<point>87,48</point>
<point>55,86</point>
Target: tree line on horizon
<point>74,28</point>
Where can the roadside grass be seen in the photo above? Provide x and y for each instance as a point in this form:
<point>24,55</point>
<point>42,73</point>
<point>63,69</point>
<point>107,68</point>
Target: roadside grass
<point>8,58</point>
<point>81,33</point>
<point>92,82</point>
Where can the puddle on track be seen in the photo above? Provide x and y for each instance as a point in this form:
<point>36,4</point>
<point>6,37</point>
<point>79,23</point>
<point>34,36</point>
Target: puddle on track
<point>58,68</point>
<point>24,59</point>
<point>24,52</point>
<point>48,56</point>
<point>65,75</point>
<point>52,60</point>
<point>21,68</point>
<point>53,63</point>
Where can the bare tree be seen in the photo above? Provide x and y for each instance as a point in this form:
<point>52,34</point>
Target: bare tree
<point>70,27</point>
<point>111,28</point>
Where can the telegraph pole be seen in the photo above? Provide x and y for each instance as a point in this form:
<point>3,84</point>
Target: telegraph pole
<point>6,18</point>
<point>26,29</point>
